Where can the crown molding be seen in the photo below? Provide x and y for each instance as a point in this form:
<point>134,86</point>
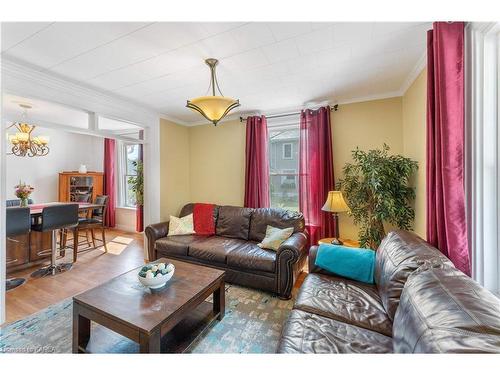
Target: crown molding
<point>21,79</point>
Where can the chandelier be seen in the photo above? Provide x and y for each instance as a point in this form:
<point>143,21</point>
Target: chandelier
<point>214,107</point>
<point>23,142</point>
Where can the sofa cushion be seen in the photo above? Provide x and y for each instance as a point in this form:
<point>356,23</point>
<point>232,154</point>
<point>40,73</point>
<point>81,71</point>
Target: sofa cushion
<point>215,248</point>
<point>275,217</point>
<point>344,300</point>
<point>305,332</point>
<point>400,254</point>
<point>233,222</point>
<point>252,257</point>
<point>176,245</point>
<point>444,311</point>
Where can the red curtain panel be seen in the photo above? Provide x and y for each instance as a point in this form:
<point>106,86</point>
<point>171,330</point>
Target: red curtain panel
<point>109,179</point>
<point>446,216</point>
<point>139,212</point>
<point>316,171</point>
<point>257,163</point>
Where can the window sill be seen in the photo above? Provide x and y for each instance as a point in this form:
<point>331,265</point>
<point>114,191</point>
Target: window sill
<point>125,208</point>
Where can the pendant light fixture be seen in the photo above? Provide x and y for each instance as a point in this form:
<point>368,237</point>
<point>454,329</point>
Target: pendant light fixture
<point>213,107</point>
<point>23,142</point>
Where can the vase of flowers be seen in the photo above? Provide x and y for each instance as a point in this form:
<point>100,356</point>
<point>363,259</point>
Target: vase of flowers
<point>23,192</point>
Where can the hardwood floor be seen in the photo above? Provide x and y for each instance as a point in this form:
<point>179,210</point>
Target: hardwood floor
<point>125,251</point>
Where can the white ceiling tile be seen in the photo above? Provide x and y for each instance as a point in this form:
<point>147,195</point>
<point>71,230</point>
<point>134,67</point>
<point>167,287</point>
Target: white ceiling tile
<point>213,28</point>
<point>285,30</point>
<point>253,35</point>
<point>281,51</point>
<point>315,41</point>
<point>64,40</point>
<point>219,46</point>
<point>244,61</point>
<point>351,31</point>
<point>268,66</point>
<point>16,32</point>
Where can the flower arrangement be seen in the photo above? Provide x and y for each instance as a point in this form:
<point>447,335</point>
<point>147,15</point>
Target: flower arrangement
<point>23,192</point>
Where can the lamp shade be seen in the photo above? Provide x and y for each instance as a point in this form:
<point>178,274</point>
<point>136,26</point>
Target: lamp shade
<point>335,202</point>
<point>213,108</point>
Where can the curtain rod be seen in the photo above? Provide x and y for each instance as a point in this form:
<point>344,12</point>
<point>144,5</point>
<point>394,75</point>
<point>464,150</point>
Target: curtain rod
<point>333,108</point>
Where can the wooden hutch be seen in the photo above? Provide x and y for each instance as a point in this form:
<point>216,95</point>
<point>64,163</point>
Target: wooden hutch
<point>80,187</point>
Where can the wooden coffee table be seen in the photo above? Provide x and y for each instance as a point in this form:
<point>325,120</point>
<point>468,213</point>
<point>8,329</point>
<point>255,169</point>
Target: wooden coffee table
<point>152,318</point>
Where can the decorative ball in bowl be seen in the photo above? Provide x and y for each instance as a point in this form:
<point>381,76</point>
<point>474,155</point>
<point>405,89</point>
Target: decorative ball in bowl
<point>156,275</point>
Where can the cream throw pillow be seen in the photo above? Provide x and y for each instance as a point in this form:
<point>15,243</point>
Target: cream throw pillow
<point>181,225</point>
<point>275,237</point>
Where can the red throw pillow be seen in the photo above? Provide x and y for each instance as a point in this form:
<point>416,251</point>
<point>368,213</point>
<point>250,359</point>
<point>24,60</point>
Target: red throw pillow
<point>203,218</point>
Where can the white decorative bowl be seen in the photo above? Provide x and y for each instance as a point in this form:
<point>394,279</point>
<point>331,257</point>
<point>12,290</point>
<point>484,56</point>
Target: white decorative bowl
<point>157,281</point>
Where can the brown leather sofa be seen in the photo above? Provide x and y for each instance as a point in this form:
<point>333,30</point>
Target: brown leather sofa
<point>420,303</point>
<point>234,247</point>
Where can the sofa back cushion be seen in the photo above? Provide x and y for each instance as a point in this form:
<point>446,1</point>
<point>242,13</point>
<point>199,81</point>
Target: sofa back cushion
<point>233,222</point>
<point>275,217</point>
<point>400,254</point>
<point>444,311</point>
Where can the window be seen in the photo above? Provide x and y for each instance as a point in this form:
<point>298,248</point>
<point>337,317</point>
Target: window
<point>287,150</point>
<point>129,156</point>
<point>284,166</point>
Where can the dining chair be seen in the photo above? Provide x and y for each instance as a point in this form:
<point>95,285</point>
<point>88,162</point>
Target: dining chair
<point>17,222</point>
<point>56,217</point>
<point>96,221</point>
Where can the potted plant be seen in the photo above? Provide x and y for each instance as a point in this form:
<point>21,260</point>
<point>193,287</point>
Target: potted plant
<point>376,186</point>
<point>23,192</point>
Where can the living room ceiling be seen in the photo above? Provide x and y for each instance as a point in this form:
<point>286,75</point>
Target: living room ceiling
<point>270,67</point>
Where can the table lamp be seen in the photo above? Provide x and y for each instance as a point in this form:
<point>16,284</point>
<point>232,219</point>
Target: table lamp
<point>335,203</point>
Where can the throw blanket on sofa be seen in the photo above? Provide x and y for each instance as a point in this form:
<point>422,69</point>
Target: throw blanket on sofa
<point>353,263</point>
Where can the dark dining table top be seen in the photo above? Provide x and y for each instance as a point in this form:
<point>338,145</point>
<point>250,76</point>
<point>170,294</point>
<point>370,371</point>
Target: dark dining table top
<point>36,209</point>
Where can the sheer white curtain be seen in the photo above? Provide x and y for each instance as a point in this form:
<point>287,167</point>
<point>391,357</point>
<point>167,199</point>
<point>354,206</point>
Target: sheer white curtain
<point>483,151</point>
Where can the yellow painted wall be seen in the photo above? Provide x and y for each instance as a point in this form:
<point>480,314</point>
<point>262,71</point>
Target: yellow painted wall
<point>217,157</point>
<point>174,168</point>
<point>207,163</point>
<point>414,143</point>
<point>366,125</point>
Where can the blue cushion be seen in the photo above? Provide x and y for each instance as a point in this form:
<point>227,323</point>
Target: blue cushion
<point>353,263</point>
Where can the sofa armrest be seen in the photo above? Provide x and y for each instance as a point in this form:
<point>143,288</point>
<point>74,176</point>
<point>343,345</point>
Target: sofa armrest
<point>154,232</point>
<point>287,256</point>
<point>296,243</point>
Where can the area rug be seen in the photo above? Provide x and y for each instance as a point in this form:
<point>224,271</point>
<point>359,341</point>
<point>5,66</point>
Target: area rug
<point>252,324</point>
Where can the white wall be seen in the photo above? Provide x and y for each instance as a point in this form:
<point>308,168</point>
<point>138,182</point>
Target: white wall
<point>67,152</point>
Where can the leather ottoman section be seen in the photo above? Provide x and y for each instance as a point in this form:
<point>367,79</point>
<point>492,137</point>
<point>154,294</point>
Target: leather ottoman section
<point>252,257</point>
<point>444,311</point>
<point>344,300</point>
<point>176,245</point>
<point>215,248</point>
<point>310,333</point>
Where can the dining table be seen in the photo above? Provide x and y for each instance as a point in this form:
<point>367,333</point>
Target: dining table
<point>36,209</point>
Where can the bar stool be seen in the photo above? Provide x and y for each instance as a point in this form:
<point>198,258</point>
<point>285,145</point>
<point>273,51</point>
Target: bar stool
<point>17,222</point>
<point>56,217</point>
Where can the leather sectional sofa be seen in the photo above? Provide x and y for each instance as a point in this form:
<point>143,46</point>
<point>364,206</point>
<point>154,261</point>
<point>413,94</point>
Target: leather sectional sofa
<point>420,303</point>
<point>234,247</point>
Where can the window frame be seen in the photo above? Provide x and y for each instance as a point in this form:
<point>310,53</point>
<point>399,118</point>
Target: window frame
<point>284,148</point>
<point>122,176</point>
